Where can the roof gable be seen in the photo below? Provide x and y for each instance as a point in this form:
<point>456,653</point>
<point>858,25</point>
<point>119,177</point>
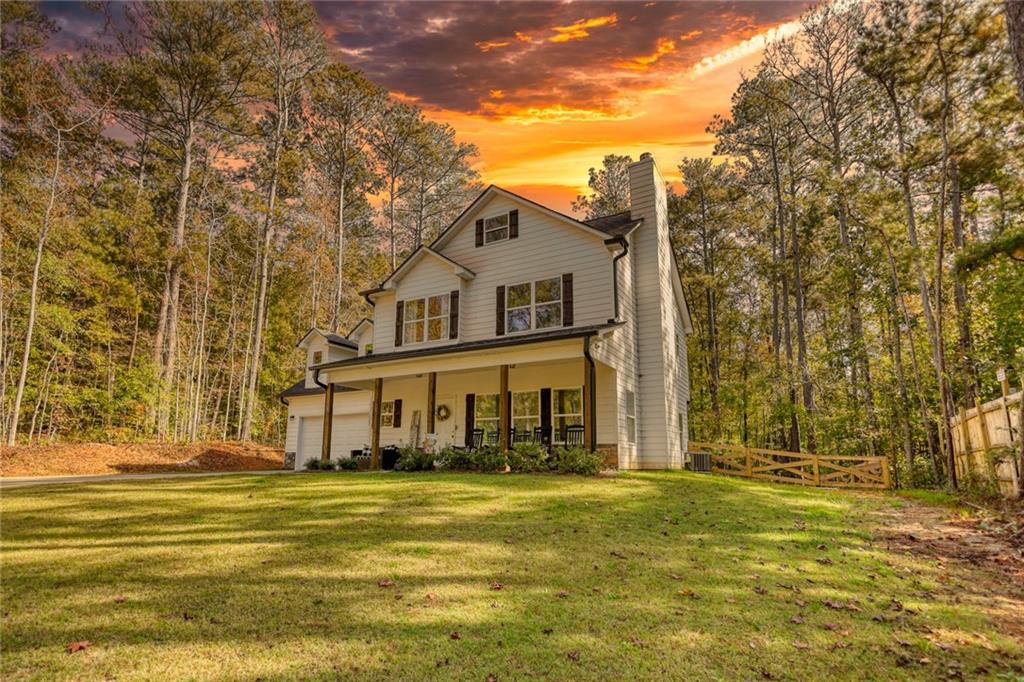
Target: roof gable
<point>329,337</point>
<point>409,264</point>
<point>478,204</point>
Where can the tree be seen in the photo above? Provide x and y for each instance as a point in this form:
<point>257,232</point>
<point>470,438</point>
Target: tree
<point>609,187</point>
<point>393,137</point>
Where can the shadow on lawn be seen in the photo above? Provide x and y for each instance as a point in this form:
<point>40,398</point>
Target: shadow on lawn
<point>643,575</point>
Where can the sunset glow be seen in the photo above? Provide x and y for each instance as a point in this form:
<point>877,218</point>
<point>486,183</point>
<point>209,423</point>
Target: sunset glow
<point>545,90</point>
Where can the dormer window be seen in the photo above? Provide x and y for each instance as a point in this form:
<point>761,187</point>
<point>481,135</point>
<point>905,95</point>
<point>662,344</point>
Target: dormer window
<point>496,228</point>
<point>426,318</point>
<point>318,357</point>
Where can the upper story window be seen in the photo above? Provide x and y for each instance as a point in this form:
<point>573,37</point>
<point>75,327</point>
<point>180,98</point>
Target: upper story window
<point>534,305</point>
<point>318,357</point>
<point>426,319</point>
<point>496,228</point>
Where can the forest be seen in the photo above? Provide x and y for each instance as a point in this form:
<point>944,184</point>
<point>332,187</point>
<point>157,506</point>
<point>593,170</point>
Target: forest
<point>179,207</point>
<point>182,203</point>
<point>852,258</point>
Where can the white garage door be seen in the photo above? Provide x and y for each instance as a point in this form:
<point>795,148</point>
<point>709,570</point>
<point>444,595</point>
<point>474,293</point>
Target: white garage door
<point>349,432</point>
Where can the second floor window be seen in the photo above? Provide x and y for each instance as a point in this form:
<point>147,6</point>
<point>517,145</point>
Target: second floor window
<point>534,305</point>
<point>318,357</point>
<point>496,228</point>
<point>426,319</point>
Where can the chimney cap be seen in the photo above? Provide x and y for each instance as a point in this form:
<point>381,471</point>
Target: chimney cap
<point>646,156</point>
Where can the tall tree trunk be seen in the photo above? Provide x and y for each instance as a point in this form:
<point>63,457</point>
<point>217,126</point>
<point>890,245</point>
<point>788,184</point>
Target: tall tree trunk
<point>264,278</point>
<point>1015,29</point>
<point>339,281</point>
<point>33,296</point>
<point>169,349</point>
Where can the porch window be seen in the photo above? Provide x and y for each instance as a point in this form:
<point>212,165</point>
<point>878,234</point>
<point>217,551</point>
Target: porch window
<point>426,318</point>
<point>534,305</point>
<point>387,413</point>
<point>525,411</point>
<point>496,228</point>
<point>566,410</point>
<point>485,412</point>
<point>629,405</point>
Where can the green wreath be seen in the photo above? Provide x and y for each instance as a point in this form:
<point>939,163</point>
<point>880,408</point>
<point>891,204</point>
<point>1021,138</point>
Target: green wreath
<point>443,412</point>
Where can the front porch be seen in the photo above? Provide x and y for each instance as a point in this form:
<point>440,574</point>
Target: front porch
<point>550,393</point>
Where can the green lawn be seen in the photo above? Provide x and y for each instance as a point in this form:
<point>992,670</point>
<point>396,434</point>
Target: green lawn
<point>393,576</point>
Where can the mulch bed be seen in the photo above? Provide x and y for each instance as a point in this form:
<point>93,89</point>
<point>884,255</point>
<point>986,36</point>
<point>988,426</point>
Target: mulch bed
<point>75,459</point>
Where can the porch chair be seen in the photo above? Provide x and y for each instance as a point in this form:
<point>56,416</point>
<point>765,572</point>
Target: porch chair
<point>478,439</point>
<point>574,436</point>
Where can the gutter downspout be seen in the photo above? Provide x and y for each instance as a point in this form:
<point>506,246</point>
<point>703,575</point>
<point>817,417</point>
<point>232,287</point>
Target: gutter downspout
<point>316,378</point>
<point>592,376</point>
<point>624,243</point>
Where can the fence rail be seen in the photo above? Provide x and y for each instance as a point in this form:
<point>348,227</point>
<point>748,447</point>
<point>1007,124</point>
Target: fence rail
<point>801,468</point>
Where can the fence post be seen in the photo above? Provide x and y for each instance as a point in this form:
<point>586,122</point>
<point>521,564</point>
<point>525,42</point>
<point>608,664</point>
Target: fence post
<point>750,464</point>
<point>817,470</point>
<point>885,473</point>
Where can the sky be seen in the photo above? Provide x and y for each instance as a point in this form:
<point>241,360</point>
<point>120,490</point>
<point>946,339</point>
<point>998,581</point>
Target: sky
<point>546,89</point>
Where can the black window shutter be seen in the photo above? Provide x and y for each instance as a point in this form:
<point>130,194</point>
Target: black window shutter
<point>399,315</point>
<point>513,223</point>
<point>499,318</point>
<point>480,232</point>
<point>545,415</point>
<point>470,418</point>
<point>453,315</point>
<point>397,422</point>
<point>567,318</point>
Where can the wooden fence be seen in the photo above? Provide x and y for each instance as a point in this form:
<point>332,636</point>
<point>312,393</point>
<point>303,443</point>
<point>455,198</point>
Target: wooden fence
<point>801,468</point>
<point>985,427</point>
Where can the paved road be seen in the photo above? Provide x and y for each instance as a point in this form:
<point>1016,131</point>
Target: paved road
<point>25,481</point>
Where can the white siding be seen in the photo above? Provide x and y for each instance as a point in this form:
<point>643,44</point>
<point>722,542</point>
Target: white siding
<point>546,247</point>
<point>658,396</point>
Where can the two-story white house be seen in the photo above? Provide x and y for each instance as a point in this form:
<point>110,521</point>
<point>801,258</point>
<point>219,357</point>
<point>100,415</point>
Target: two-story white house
<point>516,323</point>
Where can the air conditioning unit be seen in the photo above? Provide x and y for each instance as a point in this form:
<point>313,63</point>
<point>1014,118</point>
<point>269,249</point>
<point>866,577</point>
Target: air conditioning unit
<point>699,461</point>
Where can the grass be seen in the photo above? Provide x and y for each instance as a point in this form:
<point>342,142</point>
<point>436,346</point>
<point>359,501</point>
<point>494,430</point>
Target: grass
<point>652,575</point>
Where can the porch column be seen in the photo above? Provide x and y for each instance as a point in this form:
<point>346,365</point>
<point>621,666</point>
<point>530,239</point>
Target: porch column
<point>325,446</point>
<point>589,383</point>
<point>504,410</point>
<point>378,387</point>
<point>431,400</point>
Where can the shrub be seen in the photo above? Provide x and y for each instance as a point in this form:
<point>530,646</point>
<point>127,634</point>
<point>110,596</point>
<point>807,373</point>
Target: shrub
<point>348,464</point>
<point>528,457</point>
<point>488,458</point>
<point>577,461</point>
<point>316,464</point>
<point>414,459</point>
<point>455,459</point>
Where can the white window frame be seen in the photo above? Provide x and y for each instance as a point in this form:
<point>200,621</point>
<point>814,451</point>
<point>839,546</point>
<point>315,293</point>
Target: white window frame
<point>477,419</point>
<point>556,434</point>
<point>488,231</point>
<point>535,418</point>
<point>532,306</point>
<point>425,320</point>
<point>387,413</point>
<point>629,396</point>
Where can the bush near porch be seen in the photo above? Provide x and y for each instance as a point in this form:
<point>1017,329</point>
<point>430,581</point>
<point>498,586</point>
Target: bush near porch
<point>667,575</point>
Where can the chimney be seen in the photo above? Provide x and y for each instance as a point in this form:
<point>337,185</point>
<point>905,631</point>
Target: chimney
<point>656,317</point>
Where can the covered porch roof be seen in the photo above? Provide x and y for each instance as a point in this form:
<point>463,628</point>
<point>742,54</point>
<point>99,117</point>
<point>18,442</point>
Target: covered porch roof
<point>558,344</point>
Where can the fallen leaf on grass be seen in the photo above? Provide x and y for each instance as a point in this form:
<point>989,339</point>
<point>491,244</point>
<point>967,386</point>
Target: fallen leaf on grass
<point>675,577</point>
<point>187,616</point>
<point>78,646</point>
<point>561,594</point>
<point>800,644</point>
<point>840,644</point>
<point>617,554</point>
<point>760,590</point>
<point>797,620</point>
<point>431,596</point>
<point>547,631</point>
<point>387,582</point>
<point>824,561</point>
<point>573,655</point>
<point>637,642</point>
<point>496,586</point>
<point>689,593</point>
<point>800,602</point>
<point>491,677</point>
<point>119,599</point>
